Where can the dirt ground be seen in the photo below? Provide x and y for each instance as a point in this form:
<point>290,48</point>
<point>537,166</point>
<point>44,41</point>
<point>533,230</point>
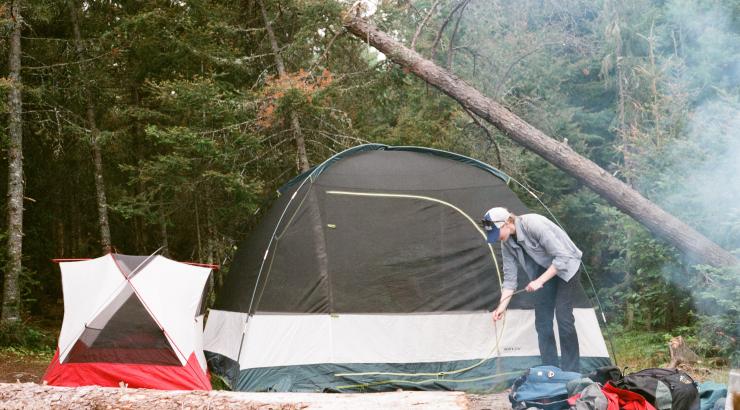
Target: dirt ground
<point>489,401</point>
<point>19,367</point>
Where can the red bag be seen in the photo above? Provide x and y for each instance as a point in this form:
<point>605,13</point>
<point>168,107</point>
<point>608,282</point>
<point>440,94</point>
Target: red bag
<point>625,399</point>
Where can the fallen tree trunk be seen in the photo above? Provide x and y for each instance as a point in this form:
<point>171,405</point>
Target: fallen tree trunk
<point>561,155</point>
<point>33,396</point>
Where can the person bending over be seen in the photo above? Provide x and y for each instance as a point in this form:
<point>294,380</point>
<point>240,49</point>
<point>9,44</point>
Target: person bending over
<point>551,261</point>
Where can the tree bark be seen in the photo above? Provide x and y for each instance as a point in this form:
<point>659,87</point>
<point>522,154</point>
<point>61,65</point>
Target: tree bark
<point>628,149</point>
<point>197,231</point>
<point>680,353</point>
<point>32,395</point>
<point>102,201</point>
<point>165,235</point>
<point>11,292</point>
<point>300,142</point>
<point>139,148</point>
<point>561,155</point>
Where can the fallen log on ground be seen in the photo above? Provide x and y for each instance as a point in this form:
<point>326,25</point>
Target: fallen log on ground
<point>34,396</point>
<point>559,154</point>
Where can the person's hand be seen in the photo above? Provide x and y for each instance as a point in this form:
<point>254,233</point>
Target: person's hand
<point>534,285</point>
<point>498,314</point>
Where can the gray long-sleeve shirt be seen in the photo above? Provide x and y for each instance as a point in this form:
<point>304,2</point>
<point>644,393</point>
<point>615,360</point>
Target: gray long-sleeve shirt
<point>538,244</point>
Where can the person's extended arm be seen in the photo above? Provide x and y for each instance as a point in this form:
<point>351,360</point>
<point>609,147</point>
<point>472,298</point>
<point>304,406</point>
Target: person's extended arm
<point>498,314</point>
<point>554,247</point>
<point>508,286</point>
<point>539,282</point>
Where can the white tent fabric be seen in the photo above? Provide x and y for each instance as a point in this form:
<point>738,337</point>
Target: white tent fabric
<point>288,340</point>
<point>87,286</point>
<point>170,292</point>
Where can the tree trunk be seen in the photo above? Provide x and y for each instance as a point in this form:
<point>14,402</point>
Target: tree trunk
<point>451,48</point>
<point>11,292</point>
<point>628,149</point>
<point>300,142</point>
<point>32,395</point>
<point>105,241</point>
<point>163,230</point>
<point>211,240</point>
<point>139,143</point>
<point>680,353</point>
<point>197,231</point>
<point>561,155</point>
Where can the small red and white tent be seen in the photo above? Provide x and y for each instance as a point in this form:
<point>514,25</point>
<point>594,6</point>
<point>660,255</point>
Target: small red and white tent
<point>131,319</point>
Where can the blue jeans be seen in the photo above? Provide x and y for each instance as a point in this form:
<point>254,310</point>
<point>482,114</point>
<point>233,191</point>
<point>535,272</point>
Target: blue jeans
<point>554,299</point>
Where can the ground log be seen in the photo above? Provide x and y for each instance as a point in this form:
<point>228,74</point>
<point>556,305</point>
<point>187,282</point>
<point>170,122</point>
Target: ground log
<point>35,396</point>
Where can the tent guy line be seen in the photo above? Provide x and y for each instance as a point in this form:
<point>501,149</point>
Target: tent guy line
<point>427,381</point>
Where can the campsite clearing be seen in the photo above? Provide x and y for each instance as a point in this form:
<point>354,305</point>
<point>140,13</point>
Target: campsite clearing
<point>23,366</point>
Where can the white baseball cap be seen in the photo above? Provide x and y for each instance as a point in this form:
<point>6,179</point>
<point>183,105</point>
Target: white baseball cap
<point>492,222</point>
<point>497,215</point>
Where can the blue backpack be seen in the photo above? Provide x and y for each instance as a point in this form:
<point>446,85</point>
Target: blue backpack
<point>542,387</point>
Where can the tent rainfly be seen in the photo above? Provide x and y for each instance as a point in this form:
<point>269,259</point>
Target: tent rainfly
<point>369,273</point>
<point>131,319</point>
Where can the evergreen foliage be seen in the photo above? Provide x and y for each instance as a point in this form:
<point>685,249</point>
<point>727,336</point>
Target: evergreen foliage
<point>196,137</point>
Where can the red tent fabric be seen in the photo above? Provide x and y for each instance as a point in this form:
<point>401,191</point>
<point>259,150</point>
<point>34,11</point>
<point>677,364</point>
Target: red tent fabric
<point>189,377</point>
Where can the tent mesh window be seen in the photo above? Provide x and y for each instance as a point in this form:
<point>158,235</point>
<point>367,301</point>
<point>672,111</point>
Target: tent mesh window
<point>129,336</point>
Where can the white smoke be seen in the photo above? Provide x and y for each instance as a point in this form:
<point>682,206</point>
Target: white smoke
<point>712,186</point>
<point>706,159</point>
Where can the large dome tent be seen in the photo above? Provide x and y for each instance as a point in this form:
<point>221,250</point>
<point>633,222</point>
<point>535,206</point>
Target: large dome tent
<point>370,272</point>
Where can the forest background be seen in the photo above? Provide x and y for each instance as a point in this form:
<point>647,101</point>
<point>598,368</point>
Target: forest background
<point>171,123</point>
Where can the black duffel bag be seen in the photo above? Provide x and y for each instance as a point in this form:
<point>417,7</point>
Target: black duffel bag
<point>663,388</point>
<point>605,374</point>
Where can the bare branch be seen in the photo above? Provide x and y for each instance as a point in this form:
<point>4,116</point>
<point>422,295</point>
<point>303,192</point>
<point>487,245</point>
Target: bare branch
<point>491,139</point>
<point>423,23</point>
<point>328,47</point>
<point>451,49</point>
<point>513,64</point>
<point>44,67</point>
<point>444,25</point>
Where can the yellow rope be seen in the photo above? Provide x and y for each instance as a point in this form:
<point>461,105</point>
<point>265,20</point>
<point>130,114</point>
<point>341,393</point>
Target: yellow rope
<point>419,382</point>
<point>438,374</point>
